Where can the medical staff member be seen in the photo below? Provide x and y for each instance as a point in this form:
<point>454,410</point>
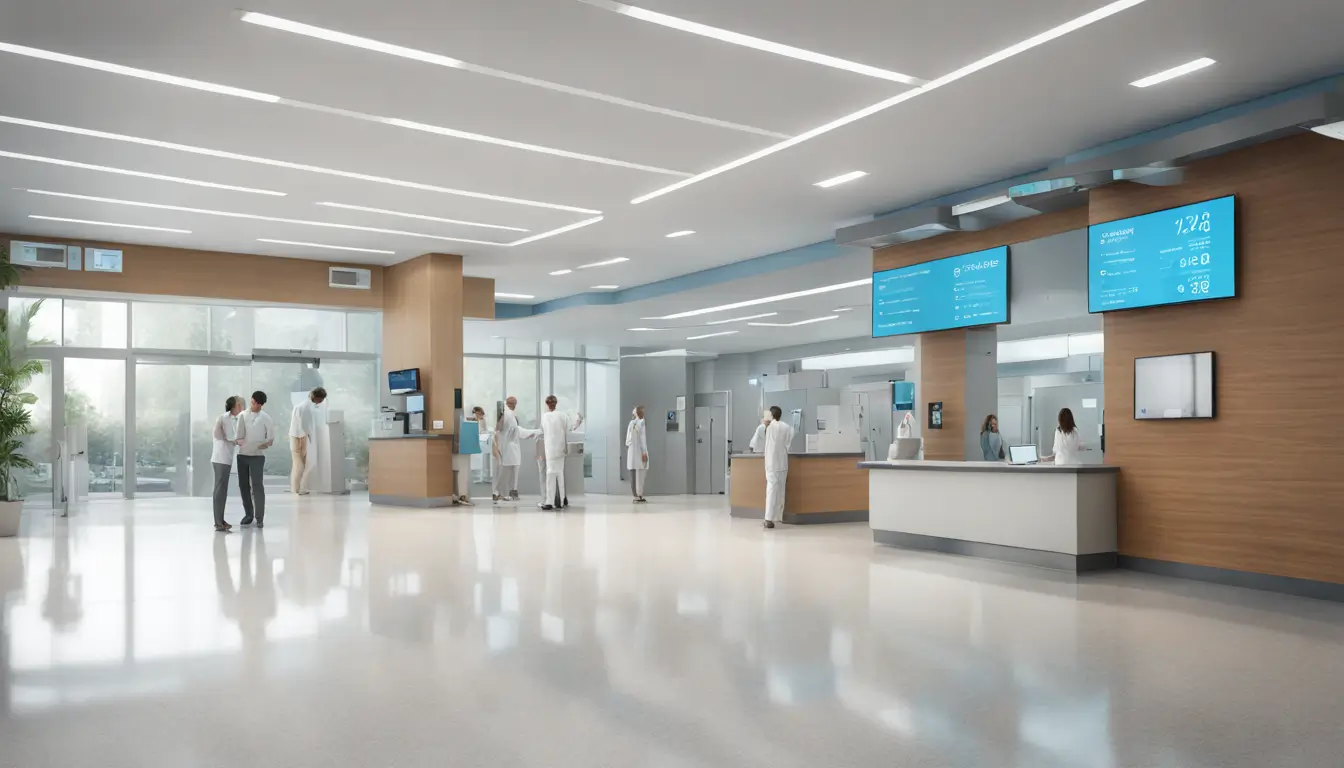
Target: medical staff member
<point>1068,441</point>
<point>778,437</point>
<point>225,442</point>
<point>468,445</point>
<point>637,453</point>
<point>757,443</point>
<point>257,430</point>
<point>555,439</point>
<point>508,450</point>
<point>302,431</point>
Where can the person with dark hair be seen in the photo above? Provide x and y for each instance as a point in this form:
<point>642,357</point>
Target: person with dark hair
<point>1068,442</point>
<point>991,442</point>
<point>778,437</point>
<point>302,429</point>
<point>226,441</point>
<point>257,431</point>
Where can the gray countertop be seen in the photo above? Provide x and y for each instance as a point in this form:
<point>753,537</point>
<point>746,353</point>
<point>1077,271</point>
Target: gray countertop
<point>985,466</point>
<point>803,455</point>
<point>412,436</point>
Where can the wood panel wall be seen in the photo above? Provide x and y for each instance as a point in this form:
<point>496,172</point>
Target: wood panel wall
<point>1259,488</point>
<point>422,328</point>
<point>942,366</point>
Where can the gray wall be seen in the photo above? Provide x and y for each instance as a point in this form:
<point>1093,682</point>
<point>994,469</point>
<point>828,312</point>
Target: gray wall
<point>656,383</point>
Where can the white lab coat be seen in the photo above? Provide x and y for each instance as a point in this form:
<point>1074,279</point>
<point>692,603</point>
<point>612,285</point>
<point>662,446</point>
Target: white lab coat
<point>511,440</point>
<point>778,436</point>
<point>757,443</point>
<point>637,445</point>
<point>555,432</point>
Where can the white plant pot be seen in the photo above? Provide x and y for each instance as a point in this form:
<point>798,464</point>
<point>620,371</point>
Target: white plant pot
<point>10,511</point>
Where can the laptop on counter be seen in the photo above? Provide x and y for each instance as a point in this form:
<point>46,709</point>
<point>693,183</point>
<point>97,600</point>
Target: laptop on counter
<point>1022,455</point>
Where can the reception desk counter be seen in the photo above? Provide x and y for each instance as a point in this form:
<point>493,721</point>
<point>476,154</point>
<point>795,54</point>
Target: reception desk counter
<point>821,488</point>
<point>414,470</point>
<point>1044,515</point>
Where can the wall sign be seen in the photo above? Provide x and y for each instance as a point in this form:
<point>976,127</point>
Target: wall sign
<point>936,415</point>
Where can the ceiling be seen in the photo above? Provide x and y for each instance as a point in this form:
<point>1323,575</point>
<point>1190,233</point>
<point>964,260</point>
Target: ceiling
<point>671,103</point>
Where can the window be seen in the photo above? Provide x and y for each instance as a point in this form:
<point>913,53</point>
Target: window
<point>37,447</point>
<point>95,395</point>
<point>482,384</point>
<point>94,324</point>
<point>289,328</point>
<point>170,326</point>
<point>46,325</point>
<point>565,386</point>
<point>364,332</point>
<point>352,388</point>
<point>520,381</point>
<point>231,330</point>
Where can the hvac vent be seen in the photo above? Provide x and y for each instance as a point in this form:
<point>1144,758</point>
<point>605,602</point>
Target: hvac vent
<point>37,254</point>
<point>350,277</point>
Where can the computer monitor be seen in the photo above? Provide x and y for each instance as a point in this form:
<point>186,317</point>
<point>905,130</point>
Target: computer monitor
<point>415,403</point>
<point>1022,454</point>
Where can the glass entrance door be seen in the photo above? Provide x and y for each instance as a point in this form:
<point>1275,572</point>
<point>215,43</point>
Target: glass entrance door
<point>95,396</point>
<point>176,404</point>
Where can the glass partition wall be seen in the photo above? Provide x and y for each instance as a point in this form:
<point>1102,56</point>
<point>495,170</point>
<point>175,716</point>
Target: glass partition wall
<point>148,379</point>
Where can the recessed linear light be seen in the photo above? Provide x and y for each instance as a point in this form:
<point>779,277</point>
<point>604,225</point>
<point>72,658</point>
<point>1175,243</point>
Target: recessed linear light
<point>742,319</point>
<point>285,164</point>
<point>766,300</point>
<point>795,325</point>
<point>970,69</point>
<point>298,28</point>
<point>606,263</point>
<point>110,224</point>
<point>419,216</point>
<point>682,233</point>
<point>143,74</point>
<point>137,174</point>
<point>736,38</point>
<point>843,309</point>
<point>556,231</point>
<point>649,329</point>
<point>560,272</point>
<point>710,335</point>
<point>841,179</point>
<point>255,217</point>
<point>1174,72</point>
<point>499,295</point>
<point>605,287</point>
<point>326,247</point>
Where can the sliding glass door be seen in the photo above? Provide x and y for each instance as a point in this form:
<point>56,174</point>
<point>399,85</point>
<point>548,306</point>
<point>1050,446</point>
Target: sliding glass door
<point>176,404</point>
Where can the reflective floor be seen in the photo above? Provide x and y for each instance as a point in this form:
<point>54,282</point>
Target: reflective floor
<point>667,635</point>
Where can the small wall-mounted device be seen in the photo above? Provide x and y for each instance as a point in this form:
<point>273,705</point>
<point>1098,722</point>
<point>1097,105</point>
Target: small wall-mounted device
<point>40,254</point>
<point>102,260</point>
<point>936,415</point>
<point>673,423</point>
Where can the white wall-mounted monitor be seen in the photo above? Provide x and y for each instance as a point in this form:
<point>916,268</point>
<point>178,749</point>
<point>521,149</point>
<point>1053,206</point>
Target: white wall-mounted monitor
<point>1174,387</point>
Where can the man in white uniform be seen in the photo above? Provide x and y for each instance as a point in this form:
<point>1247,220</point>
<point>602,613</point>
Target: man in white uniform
<point>508,451</point>
<point>302,430</point>
<point>778,436</point>
<point>555,434</point>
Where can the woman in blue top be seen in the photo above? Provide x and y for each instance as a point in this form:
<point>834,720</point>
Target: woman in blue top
<point>991,441</point>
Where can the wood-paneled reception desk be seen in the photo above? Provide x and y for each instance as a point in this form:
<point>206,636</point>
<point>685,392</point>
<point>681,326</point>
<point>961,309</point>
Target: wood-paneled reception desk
<point>821,488</point>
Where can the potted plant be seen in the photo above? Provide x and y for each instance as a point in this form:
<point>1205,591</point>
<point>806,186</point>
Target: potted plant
<point>16,373</point>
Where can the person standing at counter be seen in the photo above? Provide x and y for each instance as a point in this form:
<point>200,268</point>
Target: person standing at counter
<point>991,441</point>
<point>1068,442</point>
<point>508,451</point>
<point>468,445</point>
<point>778,437</point>
<point>637,453</point>
<point>555,442</point>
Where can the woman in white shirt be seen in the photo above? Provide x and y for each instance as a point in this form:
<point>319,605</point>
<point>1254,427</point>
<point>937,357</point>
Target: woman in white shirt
<point>226,442</point>
<point>637,453</point>
<point>1067,441</point>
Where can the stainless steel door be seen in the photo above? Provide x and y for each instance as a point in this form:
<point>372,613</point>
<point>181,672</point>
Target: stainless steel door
<point>711,448</point>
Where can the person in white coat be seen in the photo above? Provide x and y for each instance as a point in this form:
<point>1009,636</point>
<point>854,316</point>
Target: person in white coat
<point>778,437</point>
<point>508,450</point>
<point>637,453</point>
<point>555,437</point>
<point>757,443</point>
<point>1068,441</point>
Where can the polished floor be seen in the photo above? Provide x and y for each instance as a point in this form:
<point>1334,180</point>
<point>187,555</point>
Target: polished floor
<point>666,635</point>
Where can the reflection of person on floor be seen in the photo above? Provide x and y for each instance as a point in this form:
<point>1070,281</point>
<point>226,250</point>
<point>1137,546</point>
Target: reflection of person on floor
<point>302,430</point>
<point>252,605</point>
<point>64,605</point>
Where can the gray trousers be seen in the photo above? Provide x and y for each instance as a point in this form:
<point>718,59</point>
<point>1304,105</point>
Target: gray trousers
<point>252,486</point>
<point>221,489</point>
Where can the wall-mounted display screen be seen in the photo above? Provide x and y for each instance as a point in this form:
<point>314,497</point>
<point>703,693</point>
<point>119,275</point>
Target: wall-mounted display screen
<point>956,292</point>
<point>1174,256</point>
<point>1174,387</point>
<point>401,382</point>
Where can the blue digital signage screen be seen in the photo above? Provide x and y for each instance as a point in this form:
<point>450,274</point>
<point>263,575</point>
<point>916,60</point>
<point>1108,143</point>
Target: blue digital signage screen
<point>956,292</point>
<point>1174,256</point>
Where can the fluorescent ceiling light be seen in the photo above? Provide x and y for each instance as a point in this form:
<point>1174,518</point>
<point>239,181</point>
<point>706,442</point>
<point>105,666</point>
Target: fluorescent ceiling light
<point>137,174</point>
<point>326,247</point>
<point>980,205</point>
<point>606,263</point>
<point>421,217</point>
<point>710,335</point>
<point>648,329</point>
<point>841,179</point>
<point>298,28</point>
<point>556,231</point>
<point>681,233</point>
<point>143,74</point>
<point>285,164</point>
<point>742,319</point>
<point>748,41</point>
<point>767,299</point>
<point>499,295</point>
<point>1174,72</point>
<point>1082,21</point>
<point>560,272</point>
<point>795,325</point>
<point>605,287</point>
<point>255,217</point>
<point>110,224</point>
<point>867,358</point>
<point>843,309</point>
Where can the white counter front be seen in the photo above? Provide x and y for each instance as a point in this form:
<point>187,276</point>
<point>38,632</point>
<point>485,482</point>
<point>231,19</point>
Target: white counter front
<point>1045,515</point>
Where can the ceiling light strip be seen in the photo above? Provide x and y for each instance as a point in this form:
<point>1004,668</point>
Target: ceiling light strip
<point>835,181</point>
<point>299,28</point>
<point>767,299</point>
<point>1174,72</point>
<point>110,224</point>
<point>795,325</point>
<point>607,263</point>
<point>747,41</point>
<point>326,247</point>
<point>710,335</point>
<point>255,217</point>
<point>499,295</point>
<point>285,164</point>
<point>421,217</point>
<point>556,231</point>
<point>560,272</point>
<point>994,58</point>
<point>137,174</point>
<point>680,233</point>
<point>742,319</point>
